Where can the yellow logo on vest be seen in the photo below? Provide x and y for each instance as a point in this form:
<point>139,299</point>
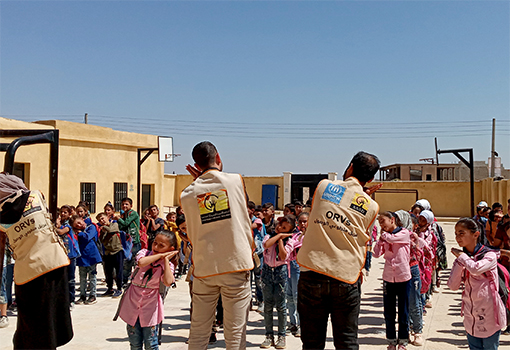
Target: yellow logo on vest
<point>360,203</point>
<point>214,206</point>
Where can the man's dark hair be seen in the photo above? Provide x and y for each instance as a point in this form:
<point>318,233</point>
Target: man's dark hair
<point>365,166</point>
<point>127,199</point>
<point>203,154</point>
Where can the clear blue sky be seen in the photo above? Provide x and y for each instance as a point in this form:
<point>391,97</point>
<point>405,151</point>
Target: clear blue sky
<point>277,86</point>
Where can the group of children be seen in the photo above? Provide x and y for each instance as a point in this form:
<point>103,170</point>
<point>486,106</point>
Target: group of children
<point>276,272</point>
<point>413,246</point>
<point>411,242</point>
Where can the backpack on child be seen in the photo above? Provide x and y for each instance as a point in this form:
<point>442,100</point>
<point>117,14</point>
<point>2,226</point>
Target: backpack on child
<point>503,284</point>
<point>442,262</point>
<point>127,244</point>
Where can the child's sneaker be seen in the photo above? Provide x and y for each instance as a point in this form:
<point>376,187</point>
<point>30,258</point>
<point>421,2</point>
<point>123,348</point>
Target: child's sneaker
<point>402,347</point>
<point>281,343</point>
<point>4,321</point>
<point>260,308</point>
<point>418,339</point>
<point>117,294</point>
<point>268,342</point>
<point>212,338</point>
<point>91,300</point>
<point>298,332</point>
<point>81,301</point>
<point>108,293</point>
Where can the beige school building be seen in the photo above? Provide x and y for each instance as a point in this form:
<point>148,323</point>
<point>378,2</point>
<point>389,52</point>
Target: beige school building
<point>99,164</point>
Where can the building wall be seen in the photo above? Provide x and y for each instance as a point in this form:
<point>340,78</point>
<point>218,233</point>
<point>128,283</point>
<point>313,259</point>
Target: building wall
<point>447,198</point>
<point>495,191</point>
<point>254,187</point>
<point>89,153</point>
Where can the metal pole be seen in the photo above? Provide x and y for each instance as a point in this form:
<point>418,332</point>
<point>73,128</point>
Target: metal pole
<point>54,148</point>
<point>472,180</point>
<point>140,161</point>
<point>86,118</point>
<point>138,183</point>
<point>493,150</point>
<point>437,156</point>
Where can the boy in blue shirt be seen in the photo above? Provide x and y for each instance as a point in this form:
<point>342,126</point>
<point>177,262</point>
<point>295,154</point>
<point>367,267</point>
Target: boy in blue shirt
<point>90,257</point>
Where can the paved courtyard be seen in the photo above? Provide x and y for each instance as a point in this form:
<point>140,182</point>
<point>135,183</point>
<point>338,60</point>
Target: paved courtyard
<point>94,328</point>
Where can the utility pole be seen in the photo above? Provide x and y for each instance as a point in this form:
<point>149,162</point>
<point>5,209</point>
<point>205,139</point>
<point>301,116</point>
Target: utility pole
<point>493,150</point>
<point>86,118</point>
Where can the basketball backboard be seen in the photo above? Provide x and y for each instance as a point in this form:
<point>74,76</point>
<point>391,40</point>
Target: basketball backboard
<point>166,148</point>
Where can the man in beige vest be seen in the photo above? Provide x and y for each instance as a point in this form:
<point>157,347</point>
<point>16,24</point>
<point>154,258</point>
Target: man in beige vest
<point>333,255</point>
<point>219,230</point>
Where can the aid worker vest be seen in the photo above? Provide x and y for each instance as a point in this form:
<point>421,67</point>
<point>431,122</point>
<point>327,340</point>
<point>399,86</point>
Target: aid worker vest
<point>36,246</point>
<point>218,224</point>
<point>337,233</point>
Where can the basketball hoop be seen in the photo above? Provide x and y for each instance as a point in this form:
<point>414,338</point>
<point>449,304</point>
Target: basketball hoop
<point>165,149</point>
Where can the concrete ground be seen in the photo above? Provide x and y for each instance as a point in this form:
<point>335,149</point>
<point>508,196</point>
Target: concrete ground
<point>443,329</point>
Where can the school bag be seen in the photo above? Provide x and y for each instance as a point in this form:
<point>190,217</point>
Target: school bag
<point>504,286</point>
<point>127,244</point>
<point>144,239</point>
<point>442,261</point>
<point>99,245</point>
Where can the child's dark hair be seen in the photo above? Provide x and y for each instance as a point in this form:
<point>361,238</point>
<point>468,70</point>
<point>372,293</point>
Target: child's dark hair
<point>304,213</point>
<point>109,205</point>
<point>66,207</point>
<point>291,219</point>
<point>171,237</point>
<point>84,204</point>
<point>469,224</point>
<point>297,202</point>
<point>180,220</point>
<point>127,199</point>
<point>258,208</point>
<point>417,206</point>
<point>390,214</point>
<point>251,205</point>
<point>414,219</point>
<point>98,216</point>
<point>291,207</point>
<point>497,205</point>
<point>172,240</point>
<point>268,206</point>
<point>73,218</point>
<point>153,206</point>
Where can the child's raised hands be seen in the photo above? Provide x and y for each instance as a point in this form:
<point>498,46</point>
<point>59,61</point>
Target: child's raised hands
<point>169,255</point>
<point>457,252</point>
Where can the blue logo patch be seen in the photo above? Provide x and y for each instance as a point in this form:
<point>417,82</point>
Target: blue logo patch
<point>333,193</point>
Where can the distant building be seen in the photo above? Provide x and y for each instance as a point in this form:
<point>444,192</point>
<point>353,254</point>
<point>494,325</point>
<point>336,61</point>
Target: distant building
<point>440,172</point>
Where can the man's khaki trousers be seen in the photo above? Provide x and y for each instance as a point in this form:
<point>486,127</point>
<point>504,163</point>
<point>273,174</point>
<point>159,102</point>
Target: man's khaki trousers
<point>236,297</point>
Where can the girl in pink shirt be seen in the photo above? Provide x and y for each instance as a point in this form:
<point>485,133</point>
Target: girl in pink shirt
<point>141,306</point>
<point>476,268</point>
<point>394,244</point>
